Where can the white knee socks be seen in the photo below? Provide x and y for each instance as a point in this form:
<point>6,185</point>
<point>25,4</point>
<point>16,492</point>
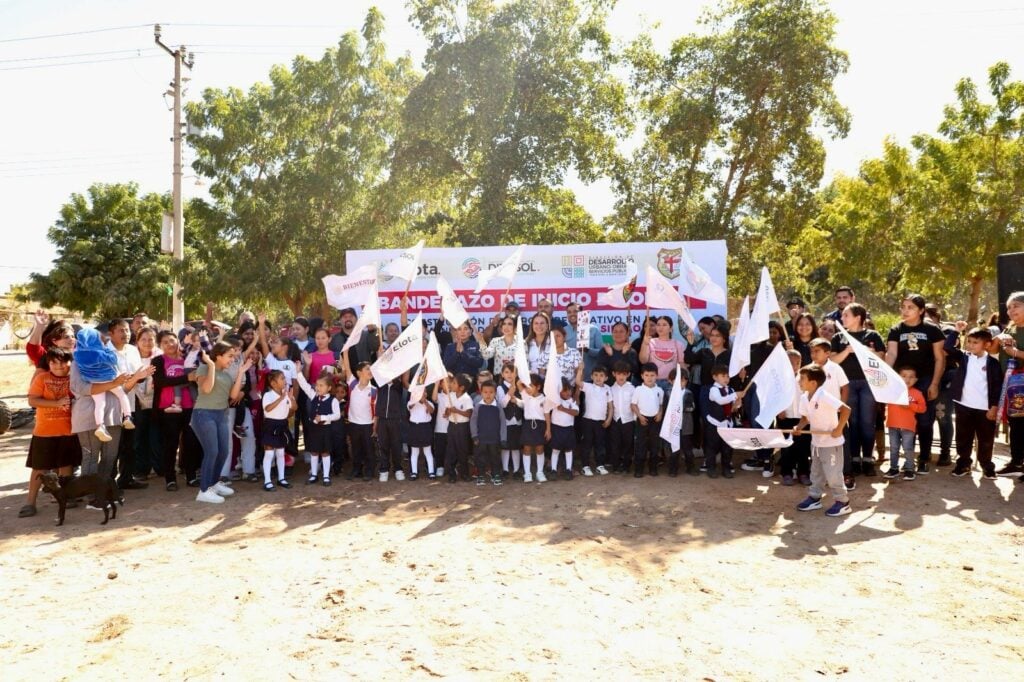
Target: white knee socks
<point>268,462</point>
<point>414,459</point>
<point>279,456</point>
<point>554,460</point>
<point>314,464</point>
<point>327,466</point>
<point>516,460</point>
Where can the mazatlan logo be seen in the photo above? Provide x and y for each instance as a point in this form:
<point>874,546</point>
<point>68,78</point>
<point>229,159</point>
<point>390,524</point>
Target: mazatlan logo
<point>573,267</point>
<point>471,267</point>
<point>668,262</point>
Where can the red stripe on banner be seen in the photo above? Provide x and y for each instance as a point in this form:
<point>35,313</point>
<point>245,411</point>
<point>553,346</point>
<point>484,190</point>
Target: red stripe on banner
<point>429,301</point>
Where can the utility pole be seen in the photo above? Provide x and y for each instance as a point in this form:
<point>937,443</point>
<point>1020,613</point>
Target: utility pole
<point>177,306</point>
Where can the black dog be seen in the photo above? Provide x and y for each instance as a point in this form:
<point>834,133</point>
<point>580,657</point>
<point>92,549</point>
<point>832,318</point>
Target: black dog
<point>102,488</point>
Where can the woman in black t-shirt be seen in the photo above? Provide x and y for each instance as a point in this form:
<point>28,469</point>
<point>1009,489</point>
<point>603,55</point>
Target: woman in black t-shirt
<point>917,343</point>
<point>860,399</point>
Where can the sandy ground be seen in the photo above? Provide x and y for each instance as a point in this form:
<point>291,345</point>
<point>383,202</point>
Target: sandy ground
<point>605,578</point>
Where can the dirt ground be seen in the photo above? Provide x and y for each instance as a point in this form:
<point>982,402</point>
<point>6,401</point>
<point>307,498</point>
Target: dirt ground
<point>604,578</point>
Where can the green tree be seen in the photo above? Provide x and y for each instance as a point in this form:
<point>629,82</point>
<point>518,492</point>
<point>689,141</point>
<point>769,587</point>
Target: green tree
<point>108,253</point>
<point>296,165</point>
<point>733,118</point>
<point>516,95</point>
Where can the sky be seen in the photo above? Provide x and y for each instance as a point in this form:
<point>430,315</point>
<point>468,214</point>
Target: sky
<point>100,115</point>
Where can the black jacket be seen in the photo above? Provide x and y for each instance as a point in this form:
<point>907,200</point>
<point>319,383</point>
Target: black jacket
<point>993,372</point>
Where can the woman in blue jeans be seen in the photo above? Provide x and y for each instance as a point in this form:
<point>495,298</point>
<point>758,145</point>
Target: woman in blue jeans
<point>860,398</point>
<point>210,417</point>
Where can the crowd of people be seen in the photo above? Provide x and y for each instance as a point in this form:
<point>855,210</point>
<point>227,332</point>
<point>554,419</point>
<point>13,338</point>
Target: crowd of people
<point>210,406</point>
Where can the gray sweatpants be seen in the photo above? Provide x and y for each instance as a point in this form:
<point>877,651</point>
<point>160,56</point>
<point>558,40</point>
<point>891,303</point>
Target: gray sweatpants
<point>99,457</point>
<point>827,473</point>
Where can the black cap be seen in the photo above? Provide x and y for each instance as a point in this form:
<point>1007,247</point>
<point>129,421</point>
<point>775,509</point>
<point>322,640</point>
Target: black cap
<point>796,300</point>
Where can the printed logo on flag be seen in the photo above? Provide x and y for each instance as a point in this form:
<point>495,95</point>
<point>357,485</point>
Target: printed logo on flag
<point>471,267</point>
<point>383,275</point>
<point>875,376</point>
<point>573,267</point>
<point>668,262</point>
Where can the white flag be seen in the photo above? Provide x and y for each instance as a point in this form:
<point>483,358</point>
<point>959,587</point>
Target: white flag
<point>451,306</point>
<point>507,270</point>
<point>553,378</point>
<point>754,439</point>
<point>885,383</point>
<point>345,291</point>
<point>583,330</point>
<point>765,304</point>
<point>740,355</point>
<point>661,294</point>
<point>522,363</point>
<point>618,296</point>
<point>406,264</point>
<point>431,369</point>
<point>672,422</point>
<point>370,316</point>
<point>406,351</point>
<point>775,386</point>
<point>697,283</point>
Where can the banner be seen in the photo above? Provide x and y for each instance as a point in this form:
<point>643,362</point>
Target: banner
<point>775,386</point>
<point>403,354</point>
<point>552,379</point>
<point>561,273</point>
<point>754,439</point>
<point>885,383</point>
<point>766,303</point>
<point>522,363</point>
<point>346,291</point>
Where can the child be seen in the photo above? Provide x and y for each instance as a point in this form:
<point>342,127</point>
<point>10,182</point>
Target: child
<point>392,413</point>
<point>837,383</point>
<point>902,423</point>
<point>563,435</point>
<point>339,440</point>
<point>975,391</point>
<point>795,461</point>
<point>620,431</point>
<point>97,365</point>
<point>420,436</point>
<point>827,417</point>
<point>487,427</point>
<point>277,407</point>
<point>362,417</point>
<point>536,427</point>
<point>721,401</point>
<point>646,405</point>
<point>441,392</point>
<point>685,425</point>
<point>53,446</point>
<point>323,411</point>
<point>597,415</point>
<point>512,407</point>
<point>459,412</point>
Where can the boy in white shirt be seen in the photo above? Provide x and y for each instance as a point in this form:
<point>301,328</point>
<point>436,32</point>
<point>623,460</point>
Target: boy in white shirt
<point>620,431</point>
<point>827,417</point>
<point>647,406</point>
<point>563,433</point>
<point>459,412</point>
<point>837,384</point>
<point>597,415</point>
<point>722,399</point>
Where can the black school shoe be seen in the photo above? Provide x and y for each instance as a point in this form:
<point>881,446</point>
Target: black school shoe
<point>728,472</point>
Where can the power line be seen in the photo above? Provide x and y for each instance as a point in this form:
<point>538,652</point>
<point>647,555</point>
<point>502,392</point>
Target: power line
<point>90,61</point>
<point>78,54</point>
<point>73,33</point>
<point>279,26</point>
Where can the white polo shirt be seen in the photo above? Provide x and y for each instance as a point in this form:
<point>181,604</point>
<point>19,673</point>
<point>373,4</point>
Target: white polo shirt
<point>822,412</point>
<point>835,378</point>
<point>622,398</point>
<point>561,418</point>
<point>533,407</point>
<point>597,401</point>
<point>648,399</point>
<point>975,393</point>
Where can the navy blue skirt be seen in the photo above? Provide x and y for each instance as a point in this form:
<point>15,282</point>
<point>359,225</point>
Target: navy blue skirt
<point>563,438</point>
<point>275,433</point>
<point>533,432</point>
<point>318,437</point>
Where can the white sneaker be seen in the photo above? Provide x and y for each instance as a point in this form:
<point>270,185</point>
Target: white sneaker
<point>767,473</point>
<point>399,475</point>
<point>527,477</point>
<point>222,490</point>
<point>587,471</point>
<point>383,477</point>
<point>209,496</point>
<point>602,470</point>
<point>128,423</point>
<point>439,472</point>
<point>541,478</point>
<point>102,434</point>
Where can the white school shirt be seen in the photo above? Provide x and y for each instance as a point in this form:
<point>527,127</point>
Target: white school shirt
<point>622,398</point>
<point>460,402</point>
<point>534,407</point>
<point>716,397</point>
<point>598,398</point>
<point>360,409</point>
<point>418,412</point>
<point>441,424</point>
<point>835,379</point>
<point>822,412</point>
<point>560,418</point>
<point>310,392</point>
<point>975,393</point>
<point>282,409</point>
<point>648,399</point>
<point>504,398</point>
<point>285,366</point>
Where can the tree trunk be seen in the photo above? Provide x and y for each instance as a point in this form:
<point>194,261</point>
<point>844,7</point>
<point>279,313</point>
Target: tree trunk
<point>295,303</point>
<point>972,309</point>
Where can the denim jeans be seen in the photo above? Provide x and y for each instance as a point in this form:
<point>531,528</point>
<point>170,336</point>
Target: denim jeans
<point>904,437</point>
<point>862,421</point>
<point>211,428</point>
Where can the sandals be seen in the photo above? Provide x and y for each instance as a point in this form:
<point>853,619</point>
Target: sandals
<point>268,486</point>
<point>26,511</point>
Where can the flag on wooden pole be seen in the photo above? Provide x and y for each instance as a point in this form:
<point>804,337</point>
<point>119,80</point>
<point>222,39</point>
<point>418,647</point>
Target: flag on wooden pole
<point>431,369</point>
<point>618,296</point>
<point>507,270</point>
<point>404,353</point>
<point>739,357</point>
<point>370,316</point>
<point>696,282</point>
<point>775,387</point>
<point>672,423</point>
<point>754,439</point>
<point>661,294</point>
<point>522,364</point>
<point>552,379</point>
<point>406,264</point>
<point>885,383</point>
<point>451,306</point>
<point>766,303</point>
<point>345,291</point>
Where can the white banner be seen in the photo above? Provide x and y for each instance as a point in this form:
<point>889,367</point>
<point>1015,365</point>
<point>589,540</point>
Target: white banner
<point>661,294</point>
<point>522,363</point>
<point>346,291</point>
<point>754,439</point>
<point>406,264</point>
<point>562,273</point>
<point>885,383</point>
<point>740,355</point>
<point>369,317</point>
<point>775,386</point>
<point>431,369</point>
<point>403,354</point>
<point>451,306</point>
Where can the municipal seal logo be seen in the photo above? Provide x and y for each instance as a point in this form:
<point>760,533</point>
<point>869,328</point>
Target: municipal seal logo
<point>471,267</point>
<point>668,262</point>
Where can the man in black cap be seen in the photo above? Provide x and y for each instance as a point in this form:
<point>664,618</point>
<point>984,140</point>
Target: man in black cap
<point>795,307</point>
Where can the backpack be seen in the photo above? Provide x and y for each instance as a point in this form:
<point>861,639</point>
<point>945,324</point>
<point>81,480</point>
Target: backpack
<point>1013,391</point>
